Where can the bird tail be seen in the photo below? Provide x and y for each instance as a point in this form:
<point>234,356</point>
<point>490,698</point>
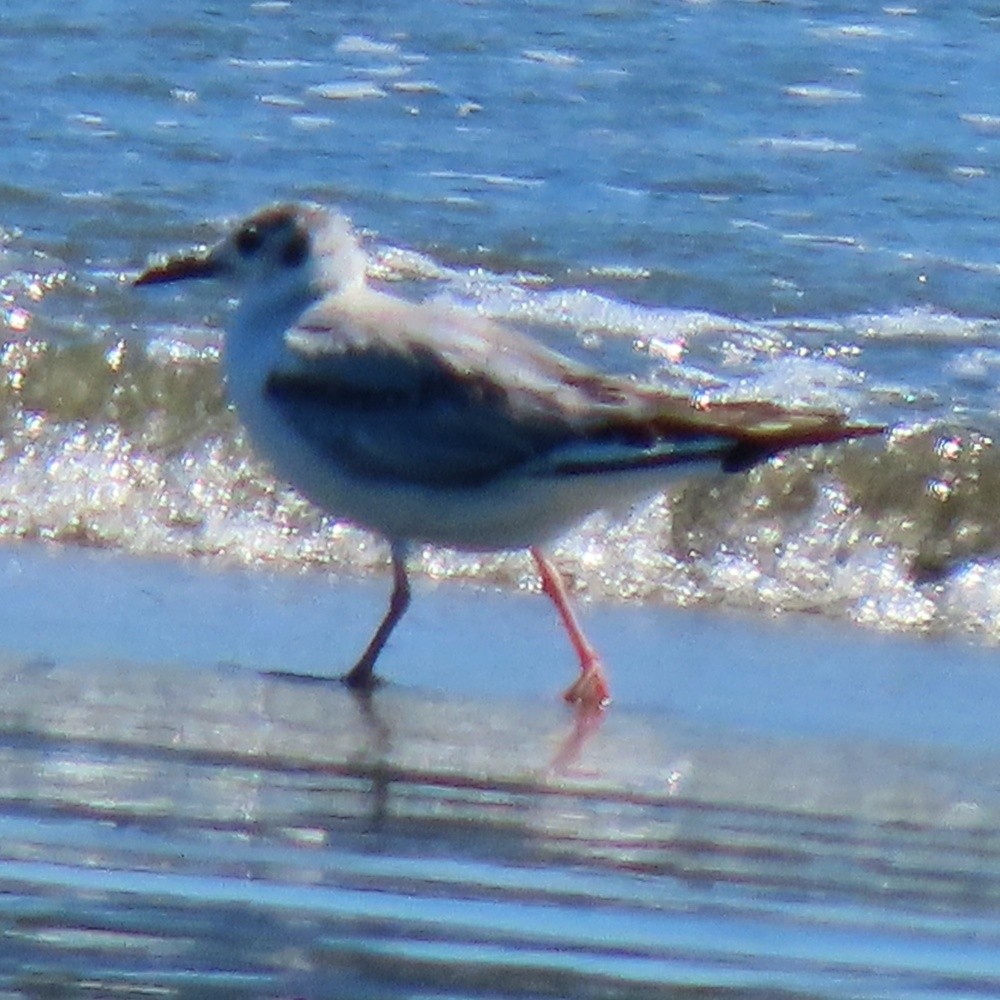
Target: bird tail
<point>757,430</point>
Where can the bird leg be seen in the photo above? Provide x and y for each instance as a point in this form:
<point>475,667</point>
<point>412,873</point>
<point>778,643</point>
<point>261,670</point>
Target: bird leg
<point>590,688</point>
<point>361,676</point>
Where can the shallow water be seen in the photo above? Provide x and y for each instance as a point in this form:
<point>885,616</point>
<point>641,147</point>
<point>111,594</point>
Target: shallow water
<point>175,823</point>
<point>788,200</point>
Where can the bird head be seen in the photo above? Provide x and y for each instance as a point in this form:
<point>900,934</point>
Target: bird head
<point>284,254</point>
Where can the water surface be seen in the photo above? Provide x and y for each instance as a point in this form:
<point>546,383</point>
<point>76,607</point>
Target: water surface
<point>792,201</point>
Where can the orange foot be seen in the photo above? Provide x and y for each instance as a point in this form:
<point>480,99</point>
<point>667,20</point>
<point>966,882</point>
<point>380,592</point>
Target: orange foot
<point>590,690</point>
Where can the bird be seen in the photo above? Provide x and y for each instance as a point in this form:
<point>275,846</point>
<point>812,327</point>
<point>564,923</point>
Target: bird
<point>429,423</point>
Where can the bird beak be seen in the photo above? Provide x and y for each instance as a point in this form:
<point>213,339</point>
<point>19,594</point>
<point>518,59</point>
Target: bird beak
<point>181,268</point>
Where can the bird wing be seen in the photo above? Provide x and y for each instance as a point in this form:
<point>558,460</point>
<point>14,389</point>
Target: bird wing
<point>432,396</point>
<point>385,403</point>
<point>745,432</point>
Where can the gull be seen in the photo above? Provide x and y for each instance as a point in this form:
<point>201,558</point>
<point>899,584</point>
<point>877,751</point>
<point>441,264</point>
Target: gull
<point>429,423</point>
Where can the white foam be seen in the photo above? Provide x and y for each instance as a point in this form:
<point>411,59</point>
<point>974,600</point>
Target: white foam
<point>347,90</point>
<point>923,324</point>
<point>820,94</point>
<point>551,57</point>
<point>363,45</point>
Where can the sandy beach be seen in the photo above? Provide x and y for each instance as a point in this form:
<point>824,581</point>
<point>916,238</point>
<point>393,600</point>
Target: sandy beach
<point>791,677</point>
<point>764,802</point>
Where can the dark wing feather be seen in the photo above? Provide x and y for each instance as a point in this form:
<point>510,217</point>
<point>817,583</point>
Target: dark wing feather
<point>408,417</point>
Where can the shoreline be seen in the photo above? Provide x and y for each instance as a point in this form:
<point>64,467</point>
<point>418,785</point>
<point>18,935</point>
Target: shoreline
<point>714,669</point>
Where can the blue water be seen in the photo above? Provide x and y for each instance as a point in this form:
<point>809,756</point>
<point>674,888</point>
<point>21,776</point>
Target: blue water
<point>793,200</point>
<point>795,158</point>
<point>788,201</point>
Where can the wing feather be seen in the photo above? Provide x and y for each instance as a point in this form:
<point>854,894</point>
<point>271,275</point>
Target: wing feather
<point>439,401</point>
<point>417,421</point>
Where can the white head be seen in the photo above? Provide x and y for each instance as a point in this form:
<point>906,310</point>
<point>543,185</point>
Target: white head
<point>286,255</point>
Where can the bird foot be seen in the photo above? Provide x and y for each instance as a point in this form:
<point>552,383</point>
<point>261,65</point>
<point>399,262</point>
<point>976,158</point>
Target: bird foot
<point>361,679</point>
<point>590,690</point>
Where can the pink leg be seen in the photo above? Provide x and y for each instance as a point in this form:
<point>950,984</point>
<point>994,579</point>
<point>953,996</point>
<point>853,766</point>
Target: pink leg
<point>590,688</point>
<point>362,675</point>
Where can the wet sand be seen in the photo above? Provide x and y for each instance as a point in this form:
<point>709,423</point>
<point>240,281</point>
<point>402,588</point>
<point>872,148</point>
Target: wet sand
<point>791,677</point>
<point>766,801</point>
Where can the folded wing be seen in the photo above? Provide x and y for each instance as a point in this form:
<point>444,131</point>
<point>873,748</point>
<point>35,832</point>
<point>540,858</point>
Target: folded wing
<point>402,409</point>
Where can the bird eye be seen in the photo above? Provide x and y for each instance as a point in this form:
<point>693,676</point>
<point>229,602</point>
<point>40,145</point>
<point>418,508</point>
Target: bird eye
<point>248,240</point>
<point>295,250</point>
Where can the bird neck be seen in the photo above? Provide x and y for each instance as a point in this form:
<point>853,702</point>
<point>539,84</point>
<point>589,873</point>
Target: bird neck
<point>255,342</point>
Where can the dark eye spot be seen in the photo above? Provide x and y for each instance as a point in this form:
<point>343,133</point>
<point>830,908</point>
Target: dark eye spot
<point>295,251</point>
<point>248,240</point>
